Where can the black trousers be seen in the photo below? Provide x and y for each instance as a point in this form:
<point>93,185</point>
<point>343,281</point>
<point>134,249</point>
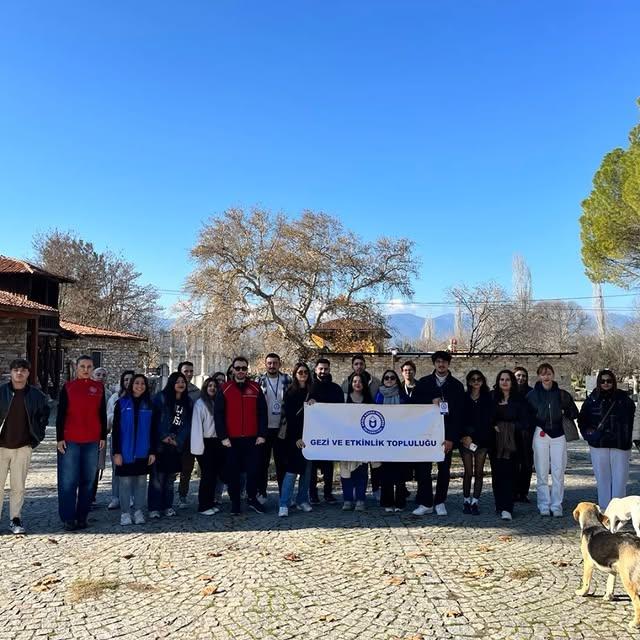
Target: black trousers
<point>376,478</point>
<point>502,482</point>
<point>187,462</point>
<point>210,467</point>
<point>326,468</point>
<point>394,489</point>
<point>422,471</point>
<point>523,463</point>
<point>243,456</point>
<point>272,445</point>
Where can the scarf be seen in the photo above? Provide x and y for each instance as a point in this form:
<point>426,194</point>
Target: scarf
<point>390,395</point>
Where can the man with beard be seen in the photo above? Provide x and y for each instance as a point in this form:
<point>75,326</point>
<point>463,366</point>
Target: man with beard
<point>359,367</point>
<point>323,389</point>
<point>442,389</point>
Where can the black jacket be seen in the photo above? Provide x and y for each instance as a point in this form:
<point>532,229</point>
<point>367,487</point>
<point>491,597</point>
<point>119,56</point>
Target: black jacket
<point>36,406</point>
<point>617,426</point>
<point>548,408</point>
<point>452,392</point>
<point>326,391</point>
<point>476,422</point>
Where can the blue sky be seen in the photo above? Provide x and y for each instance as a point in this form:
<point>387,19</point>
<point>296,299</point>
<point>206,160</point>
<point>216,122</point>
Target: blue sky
<point>473,127</point>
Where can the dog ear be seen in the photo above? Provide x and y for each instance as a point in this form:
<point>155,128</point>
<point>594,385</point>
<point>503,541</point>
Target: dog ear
<point>605,521</point>
<point>576,514</point>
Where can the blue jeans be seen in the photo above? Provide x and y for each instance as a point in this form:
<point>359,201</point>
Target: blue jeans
<point>288,484</point>
<point>356,484</point>
<point>160,496</point>
<point>135,486</point>
<point>77,469</point>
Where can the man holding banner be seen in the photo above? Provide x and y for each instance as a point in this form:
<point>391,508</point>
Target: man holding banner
<point>444,391</point>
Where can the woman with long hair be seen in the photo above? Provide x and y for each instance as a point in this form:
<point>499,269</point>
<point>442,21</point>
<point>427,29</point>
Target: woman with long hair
<point>549,405</point>
<point>606,423</point>
<point>172,414</point>
<point>295,464</point>
<point>393,495</point>
<point>354,474</point>
<point>510,415</point>
<point>133,441</point>
<point>476,438</point>
<point>205,445</point>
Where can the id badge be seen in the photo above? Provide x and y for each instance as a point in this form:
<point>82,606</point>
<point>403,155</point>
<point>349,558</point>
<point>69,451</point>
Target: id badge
<point>276,409</point>
<point>444,408</point>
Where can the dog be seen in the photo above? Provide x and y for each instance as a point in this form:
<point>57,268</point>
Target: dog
<point>621,510</point>
<point>613,553</point>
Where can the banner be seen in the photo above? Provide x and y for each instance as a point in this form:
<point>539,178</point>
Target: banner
<point>373,433</point>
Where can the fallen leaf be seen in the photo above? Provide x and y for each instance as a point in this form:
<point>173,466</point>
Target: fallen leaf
<point>480,572</point>
<point>451,613</point>
<point>165,565</point>
<point>209,590</point>
<point>128,556</point>
<point>52,540</point>
<point>44,584</point>
<point>206,578</point>
<point>214,554</point>
<point>326,541</point>
<point>505,538</point>
<point>396,580</point>
<point>36,564</point>
<point>483,548</point>
<point>561,563</point>
<point>417,554</point>
<point>292,557</point>
<point>327,618</point>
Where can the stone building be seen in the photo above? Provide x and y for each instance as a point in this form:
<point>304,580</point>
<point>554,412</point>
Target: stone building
<point>113,350</point>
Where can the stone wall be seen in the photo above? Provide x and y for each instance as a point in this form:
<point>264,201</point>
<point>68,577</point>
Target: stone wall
<point>460,365</point>
<point>118,354</point>
<point>13,343</point>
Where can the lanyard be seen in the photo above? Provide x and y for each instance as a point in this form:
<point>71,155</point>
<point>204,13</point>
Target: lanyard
<point>275,393</point>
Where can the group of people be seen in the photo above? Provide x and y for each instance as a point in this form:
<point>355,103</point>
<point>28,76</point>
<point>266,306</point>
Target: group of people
<point>234,426</point>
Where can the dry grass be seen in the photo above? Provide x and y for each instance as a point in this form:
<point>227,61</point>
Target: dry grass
<point>81,590</point>
<point>524,573</point>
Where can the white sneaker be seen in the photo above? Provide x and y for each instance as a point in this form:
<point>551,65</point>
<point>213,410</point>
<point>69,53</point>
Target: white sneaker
<point>153,515</point>
<point>556,513</point>
<point>283,512</point>
<point>261,499</point>
<point>388,509</point>
<point>125,519</point>
<point>209,512</point>
<point>441,510</point>
<point>359,505</point>
<point>505,515</point>
<point>16,527</point>
<point>170,512</point>
<point>545,513</point>
<point>138,517</point>
<point>114,504</point>
<point>346,505</point>
<point>305,506</point>
<point>421,510</point>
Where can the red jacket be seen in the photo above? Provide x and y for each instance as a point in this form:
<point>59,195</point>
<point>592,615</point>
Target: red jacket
<point>82,412</point>
<point>240,411</point>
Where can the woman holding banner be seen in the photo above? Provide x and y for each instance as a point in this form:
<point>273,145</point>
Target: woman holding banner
<point>354,475</point>
<point>295,464</point>
<point>394,474</point>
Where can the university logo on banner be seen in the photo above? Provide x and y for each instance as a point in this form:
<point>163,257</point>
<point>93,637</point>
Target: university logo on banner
<point>376,433</point>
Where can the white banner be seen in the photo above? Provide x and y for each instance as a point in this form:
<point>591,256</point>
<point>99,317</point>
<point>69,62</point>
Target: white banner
<point>373,433</point>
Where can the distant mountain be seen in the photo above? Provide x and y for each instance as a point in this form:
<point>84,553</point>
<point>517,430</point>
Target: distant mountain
<point>407,327</point>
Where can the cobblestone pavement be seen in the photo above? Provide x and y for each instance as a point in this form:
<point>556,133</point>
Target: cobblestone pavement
<point>368,575</point>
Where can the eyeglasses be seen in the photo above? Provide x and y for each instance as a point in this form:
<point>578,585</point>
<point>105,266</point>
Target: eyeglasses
<point>389,378</point>
<point>606,381</point>
<point>240,368</point>
<point>475,379</point>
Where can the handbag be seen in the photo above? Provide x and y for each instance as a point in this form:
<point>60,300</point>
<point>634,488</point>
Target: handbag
<point>570,429</point>
<point>594,436</point>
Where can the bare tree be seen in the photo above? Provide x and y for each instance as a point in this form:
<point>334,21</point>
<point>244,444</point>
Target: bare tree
<point>598,303</point>
<point>559,325</point>
<point>106,293</point>
<point>260,270</point>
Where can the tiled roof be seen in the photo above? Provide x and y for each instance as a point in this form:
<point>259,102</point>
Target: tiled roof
<point>21,303</point>
<point>98,332</point>
<point>13,265</point>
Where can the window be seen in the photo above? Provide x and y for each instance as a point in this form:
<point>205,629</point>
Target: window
<point>96,356</point>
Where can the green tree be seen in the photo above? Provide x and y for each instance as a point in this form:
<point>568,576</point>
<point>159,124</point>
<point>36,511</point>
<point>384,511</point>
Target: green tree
<point>610,221</point>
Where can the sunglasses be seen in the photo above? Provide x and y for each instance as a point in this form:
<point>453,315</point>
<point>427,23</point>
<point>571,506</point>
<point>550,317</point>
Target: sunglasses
<point>240,368</point>
<point>302,372</point>
<point>606,381</point>
<point>389,378</point>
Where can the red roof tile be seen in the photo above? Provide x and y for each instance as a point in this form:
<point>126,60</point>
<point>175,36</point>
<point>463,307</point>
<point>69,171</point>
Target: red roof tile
<point>13,265</point>
<point>98,332</point>
<point>22,303</point>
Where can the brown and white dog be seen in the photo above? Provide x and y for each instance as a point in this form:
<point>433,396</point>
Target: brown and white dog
<point>613,553</point>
